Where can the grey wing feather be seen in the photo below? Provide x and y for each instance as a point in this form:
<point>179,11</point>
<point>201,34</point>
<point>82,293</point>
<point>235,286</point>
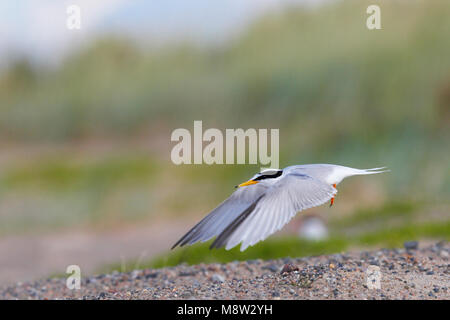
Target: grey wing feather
<point>293,193</point>
<point>222,216</point>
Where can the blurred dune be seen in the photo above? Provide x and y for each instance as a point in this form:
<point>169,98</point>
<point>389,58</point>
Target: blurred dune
<point>87,145</point>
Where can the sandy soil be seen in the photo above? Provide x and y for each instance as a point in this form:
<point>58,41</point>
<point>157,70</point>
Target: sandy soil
<point>422,273</point>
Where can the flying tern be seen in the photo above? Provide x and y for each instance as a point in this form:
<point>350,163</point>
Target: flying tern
<point>266,202</point>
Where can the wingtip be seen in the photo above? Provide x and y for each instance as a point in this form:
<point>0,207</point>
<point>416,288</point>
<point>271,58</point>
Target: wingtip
<point>179,243</point>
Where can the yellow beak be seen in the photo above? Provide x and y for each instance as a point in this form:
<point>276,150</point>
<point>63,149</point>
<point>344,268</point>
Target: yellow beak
<point>249,182</point>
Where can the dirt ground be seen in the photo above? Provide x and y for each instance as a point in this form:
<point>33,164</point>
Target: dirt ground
<point>411,273</point>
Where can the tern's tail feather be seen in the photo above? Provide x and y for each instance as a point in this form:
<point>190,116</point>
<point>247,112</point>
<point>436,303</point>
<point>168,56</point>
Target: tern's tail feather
<point>372,171</point>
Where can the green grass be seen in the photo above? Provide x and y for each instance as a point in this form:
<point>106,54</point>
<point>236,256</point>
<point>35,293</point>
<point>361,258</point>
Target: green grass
<point>382,214</point>
<point>395,237</point>
<point>63,174</point>
<point>55,193</point>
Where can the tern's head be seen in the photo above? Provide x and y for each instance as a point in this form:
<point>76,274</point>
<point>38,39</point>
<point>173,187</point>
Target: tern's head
<point>265,175</point>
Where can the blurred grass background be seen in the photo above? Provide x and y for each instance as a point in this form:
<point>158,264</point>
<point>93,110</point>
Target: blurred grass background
<point>87,144</point>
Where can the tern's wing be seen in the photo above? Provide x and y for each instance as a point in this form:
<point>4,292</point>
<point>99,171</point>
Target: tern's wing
<point>293,193</point>
<point>243,199</point>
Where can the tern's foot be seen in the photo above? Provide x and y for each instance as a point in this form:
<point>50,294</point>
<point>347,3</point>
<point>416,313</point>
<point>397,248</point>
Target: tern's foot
<point>332,199</point>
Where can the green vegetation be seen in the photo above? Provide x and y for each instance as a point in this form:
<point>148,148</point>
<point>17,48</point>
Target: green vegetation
<point>338,92</point>
<point>382,215</point>
<point>65,173</point>
<point>60,192</point>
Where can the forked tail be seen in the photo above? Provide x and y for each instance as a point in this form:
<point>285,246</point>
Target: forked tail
<point>372,170</point>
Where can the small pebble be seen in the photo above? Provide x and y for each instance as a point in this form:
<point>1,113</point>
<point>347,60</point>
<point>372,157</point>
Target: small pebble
<point>217,278</point>
<point>289,267</point>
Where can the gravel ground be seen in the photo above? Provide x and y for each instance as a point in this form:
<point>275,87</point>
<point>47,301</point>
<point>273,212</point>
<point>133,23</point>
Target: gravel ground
<point>407,273</point>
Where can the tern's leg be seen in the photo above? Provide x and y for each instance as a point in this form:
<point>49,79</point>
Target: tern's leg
<point>332,199</point>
